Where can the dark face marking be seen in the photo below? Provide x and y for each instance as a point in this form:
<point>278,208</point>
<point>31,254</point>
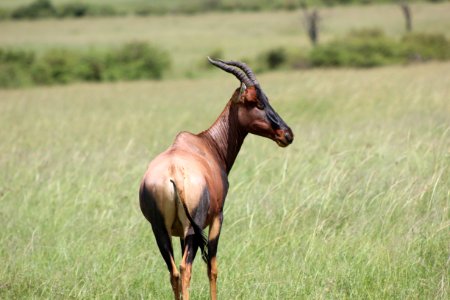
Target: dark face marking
<point>263,120</point>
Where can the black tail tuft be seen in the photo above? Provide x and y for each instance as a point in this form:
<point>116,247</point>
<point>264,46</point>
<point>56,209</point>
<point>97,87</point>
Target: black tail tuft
<point>200,234</point>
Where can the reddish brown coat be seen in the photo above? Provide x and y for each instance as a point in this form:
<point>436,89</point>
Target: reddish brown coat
<point>184,188</point>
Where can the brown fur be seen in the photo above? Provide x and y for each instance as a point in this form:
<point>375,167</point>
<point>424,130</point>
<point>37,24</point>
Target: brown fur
<point>194,171</point>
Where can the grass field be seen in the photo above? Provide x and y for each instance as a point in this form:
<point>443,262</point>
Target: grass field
<point>358,207</point>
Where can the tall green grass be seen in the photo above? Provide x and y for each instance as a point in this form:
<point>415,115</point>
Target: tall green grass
<point>357,207</point>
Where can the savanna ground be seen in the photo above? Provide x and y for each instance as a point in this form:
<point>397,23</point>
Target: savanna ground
<point>357,207</point>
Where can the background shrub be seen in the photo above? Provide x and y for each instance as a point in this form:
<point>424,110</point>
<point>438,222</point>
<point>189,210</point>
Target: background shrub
<point>369,48</point>
<point>136,60</point>
<point>275,58</point>
<point>35,10</point>
<point>14,66</point>
<point>4,14</point>
<point>92,67</point>
<point>272,59</point>
<point>61,65</point>
<point>366,48</point>
<point>103,11</point>
<point>45,9</point>
<point>18,57</point>
<point>76,9</point>
<point>422,46</point>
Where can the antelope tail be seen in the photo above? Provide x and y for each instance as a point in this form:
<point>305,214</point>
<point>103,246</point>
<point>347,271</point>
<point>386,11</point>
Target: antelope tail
<point>199,234</point>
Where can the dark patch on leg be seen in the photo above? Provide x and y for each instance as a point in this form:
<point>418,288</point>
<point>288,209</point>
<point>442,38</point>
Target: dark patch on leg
<point>191,245</point>
<point>199,215</point>
<point>197,219</point>
<point>156,219</point>
<point>200,212</point>
<point>212,248</point>
<point>225,186</point>
<point>182,243</point>
<point>213,243</point>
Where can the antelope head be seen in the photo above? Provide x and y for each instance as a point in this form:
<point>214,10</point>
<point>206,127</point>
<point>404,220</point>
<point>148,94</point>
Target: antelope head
<point>255,114</point>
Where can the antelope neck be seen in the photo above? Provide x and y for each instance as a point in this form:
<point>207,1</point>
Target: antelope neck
<point>226,136</point>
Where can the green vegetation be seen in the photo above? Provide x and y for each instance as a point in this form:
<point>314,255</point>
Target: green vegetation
<point>133,61</point>
<point>71,8</point>
<point>364,48</point>
<point>245,36</point>
<point>369,48</point>
<point>420,46</point>
<point>35,10</point>
<point>358,206</point>
<point>45,9</point>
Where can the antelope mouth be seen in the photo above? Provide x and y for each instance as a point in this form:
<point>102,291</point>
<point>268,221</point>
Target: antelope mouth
<point>282,144</point>
<point>284,138</point>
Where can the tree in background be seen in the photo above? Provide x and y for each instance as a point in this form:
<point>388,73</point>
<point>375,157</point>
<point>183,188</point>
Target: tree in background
<point>213,4</point>
<point>311,22</point>
<point>407,14</point>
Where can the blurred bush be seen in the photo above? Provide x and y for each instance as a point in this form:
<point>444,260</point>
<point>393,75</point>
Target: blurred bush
<point>360,49</point>
<point>77,9</point>
<point>365,48</point>
<point>136,60</point>
<point>145,11</point>
<point>45,9</point>
<point>14,67</point>
<point>369,48</point>
<point>140,60</point>
<point>103,11</point>
<point>272,59</point>
<point>35,10</point>
<point>4,14</point>
<point>421,46</point>
<point>276,58</point>
<point>57,66</point>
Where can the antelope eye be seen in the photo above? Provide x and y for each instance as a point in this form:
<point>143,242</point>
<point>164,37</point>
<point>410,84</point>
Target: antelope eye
<point>253,104</point>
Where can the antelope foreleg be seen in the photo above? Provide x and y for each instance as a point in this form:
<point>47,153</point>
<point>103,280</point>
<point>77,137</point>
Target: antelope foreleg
<point>213,241</point>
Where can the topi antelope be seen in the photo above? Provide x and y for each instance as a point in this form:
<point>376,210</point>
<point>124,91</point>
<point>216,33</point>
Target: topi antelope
<point>184,188</point>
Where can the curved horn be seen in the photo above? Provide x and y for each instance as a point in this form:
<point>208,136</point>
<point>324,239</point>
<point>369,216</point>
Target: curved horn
<point>244,67</point>
<point>236,72</point>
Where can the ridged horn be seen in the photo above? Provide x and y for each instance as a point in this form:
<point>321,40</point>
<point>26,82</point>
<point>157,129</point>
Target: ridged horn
<point>244,67</point>
<point>230,69</point>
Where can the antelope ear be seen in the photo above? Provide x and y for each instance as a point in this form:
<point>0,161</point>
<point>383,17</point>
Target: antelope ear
<point>239,94</point>
<point>249,95</point>
<point>242,89</point>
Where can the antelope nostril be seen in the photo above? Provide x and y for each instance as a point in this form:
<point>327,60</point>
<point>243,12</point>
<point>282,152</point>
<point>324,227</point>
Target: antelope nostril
<point>288,137</point>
